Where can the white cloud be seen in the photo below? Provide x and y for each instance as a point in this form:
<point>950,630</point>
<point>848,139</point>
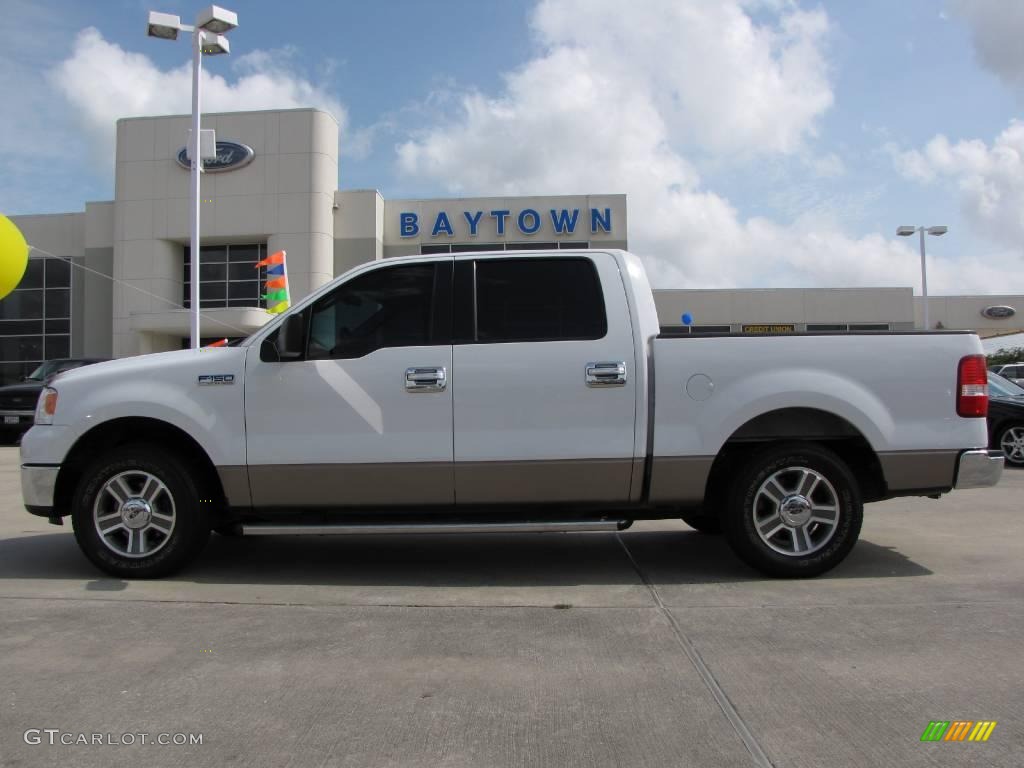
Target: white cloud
<point>997,28</point>
<point>102,82</point>
<point>615,100</point>
<point>989,179</point>
<point>714,75</point>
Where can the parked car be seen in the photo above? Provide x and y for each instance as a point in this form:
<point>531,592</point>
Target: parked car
<point>1006,418</point>
<point>1012,371</point>
<point>505,392</point>
<point>18,401</point>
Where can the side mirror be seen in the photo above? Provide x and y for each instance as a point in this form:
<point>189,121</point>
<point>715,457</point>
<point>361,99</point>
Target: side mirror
<point>291,337</point>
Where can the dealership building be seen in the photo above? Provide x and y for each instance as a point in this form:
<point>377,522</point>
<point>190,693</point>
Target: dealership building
<point>274,186</point>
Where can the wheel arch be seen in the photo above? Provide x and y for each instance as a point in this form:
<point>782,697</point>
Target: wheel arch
<point>798,424</point>
<point>135,429</point>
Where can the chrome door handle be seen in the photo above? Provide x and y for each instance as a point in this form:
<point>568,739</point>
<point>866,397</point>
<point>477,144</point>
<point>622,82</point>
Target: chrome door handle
<point>426,379</point>
<point>606,374</point>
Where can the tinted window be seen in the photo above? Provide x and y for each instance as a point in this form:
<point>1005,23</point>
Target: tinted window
<point>33,277</point>
<point>22,305</point>
<point>710,329</point>
<point>228,276</point>
<point>529,299</point>
<point>389,307</point>
<point>815,327</point>
<point>58,273</point>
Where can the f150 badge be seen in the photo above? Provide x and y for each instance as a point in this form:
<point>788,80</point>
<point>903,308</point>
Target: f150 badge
<point>207,379</point>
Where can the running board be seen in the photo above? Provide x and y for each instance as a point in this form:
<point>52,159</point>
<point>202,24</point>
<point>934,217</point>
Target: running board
<point>274,529</point>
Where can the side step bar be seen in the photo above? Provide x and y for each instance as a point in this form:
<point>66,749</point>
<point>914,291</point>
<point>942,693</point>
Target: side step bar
<point>275,529</point>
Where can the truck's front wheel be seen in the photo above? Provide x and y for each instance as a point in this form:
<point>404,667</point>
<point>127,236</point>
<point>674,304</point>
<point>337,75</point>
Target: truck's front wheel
<point>794,511</point>
<point>136,513</point>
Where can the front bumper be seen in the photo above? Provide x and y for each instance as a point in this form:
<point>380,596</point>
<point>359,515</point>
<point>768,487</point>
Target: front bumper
<point>37,488</point>
<point>979,469</point>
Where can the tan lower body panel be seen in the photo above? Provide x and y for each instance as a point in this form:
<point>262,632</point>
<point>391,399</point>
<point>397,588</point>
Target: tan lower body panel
<point>549,482</point>
<point>485,482</point>
<point>351,485</point>
<point>636,482</point>
<point>679,479</point>
<point>235,482</point>
<point>918,470</point>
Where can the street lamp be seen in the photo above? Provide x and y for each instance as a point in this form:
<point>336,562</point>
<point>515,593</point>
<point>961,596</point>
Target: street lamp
<point>936,231</point>
<point>207,38</point>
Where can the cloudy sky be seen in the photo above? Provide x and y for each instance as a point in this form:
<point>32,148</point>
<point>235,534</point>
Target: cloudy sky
<point>760,142</point>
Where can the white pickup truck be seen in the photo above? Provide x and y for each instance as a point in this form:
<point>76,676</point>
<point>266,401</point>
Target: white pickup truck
<point>498,391</point>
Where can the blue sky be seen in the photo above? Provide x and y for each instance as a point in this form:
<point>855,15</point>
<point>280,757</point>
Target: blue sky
<point>760,142</point>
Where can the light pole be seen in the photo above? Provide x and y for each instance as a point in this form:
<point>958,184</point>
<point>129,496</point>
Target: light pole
<point>937,232</point>
<point>206,38</point>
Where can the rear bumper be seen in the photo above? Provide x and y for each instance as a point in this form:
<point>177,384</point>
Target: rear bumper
<point>979,469</point>
<point>37,488</point>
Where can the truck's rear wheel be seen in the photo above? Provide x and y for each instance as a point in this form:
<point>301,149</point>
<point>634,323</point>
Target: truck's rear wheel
<point>794,511</point>
<point>136,513</point>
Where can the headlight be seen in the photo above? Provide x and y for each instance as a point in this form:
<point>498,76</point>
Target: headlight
<point>46,406</point>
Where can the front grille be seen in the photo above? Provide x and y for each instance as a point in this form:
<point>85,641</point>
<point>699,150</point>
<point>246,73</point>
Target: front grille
<point>18,402</point>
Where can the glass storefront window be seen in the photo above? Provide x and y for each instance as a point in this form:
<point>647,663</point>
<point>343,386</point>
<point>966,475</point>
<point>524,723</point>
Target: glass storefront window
<point>227,276</point>
<point>26,339</point>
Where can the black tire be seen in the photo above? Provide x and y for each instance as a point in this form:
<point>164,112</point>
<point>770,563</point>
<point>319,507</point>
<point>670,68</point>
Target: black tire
<point>188,533</point>
<point>1015,458</point>
<point>703,523</point>
<point>824,544</point>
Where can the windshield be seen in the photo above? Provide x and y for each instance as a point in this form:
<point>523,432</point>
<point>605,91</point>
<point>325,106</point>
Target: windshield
<point>1001,387</point>
<point>44,371</point>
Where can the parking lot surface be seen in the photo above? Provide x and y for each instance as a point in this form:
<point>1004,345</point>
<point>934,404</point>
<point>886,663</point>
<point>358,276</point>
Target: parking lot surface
<point>654,647</point>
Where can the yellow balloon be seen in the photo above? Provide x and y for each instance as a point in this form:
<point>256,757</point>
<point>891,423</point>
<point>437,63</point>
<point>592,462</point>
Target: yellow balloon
<point>13,256</point>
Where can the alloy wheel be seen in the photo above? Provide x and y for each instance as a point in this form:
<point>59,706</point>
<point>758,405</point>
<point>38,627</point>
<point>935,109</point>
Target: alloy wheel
<point>1012,445</point>
<point>134,514</point>
<point>796,511</point>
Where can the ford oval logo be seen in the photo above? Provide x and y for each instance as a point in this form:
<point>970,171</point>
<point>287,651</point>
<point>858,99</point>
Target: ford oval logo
<point>999,312</point>
<point>230,155</point>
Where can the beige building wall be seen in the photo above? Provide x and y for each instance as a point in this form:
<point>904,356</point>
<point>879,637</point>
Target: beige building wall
<point>358,228</point>
<point>966,312</point>
<point>95,325</point>
<point>797,306</point>
<point>284,197</point>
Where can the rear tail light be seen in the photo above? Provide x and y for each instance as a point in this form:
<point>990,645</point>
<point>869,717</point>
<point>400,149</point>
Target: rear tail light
<point>972,387</point>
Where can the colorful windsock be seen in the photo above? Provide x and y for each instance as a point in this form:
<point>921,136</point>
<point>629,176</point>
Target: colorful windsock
<point>277,295</point>
<point>218,343</point>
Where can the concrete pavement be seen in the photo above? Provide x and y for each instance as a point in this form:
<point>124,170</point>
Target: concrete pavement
<point>651,648</point>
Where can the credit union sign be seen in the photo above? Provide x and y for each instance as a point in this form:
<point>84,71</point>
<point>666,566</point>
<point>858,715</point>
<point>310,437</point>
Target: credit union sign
<point>770,328</point>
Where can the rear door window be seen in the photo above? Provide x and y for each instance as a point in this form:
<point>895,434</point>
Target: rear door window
<point>527,299</point>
